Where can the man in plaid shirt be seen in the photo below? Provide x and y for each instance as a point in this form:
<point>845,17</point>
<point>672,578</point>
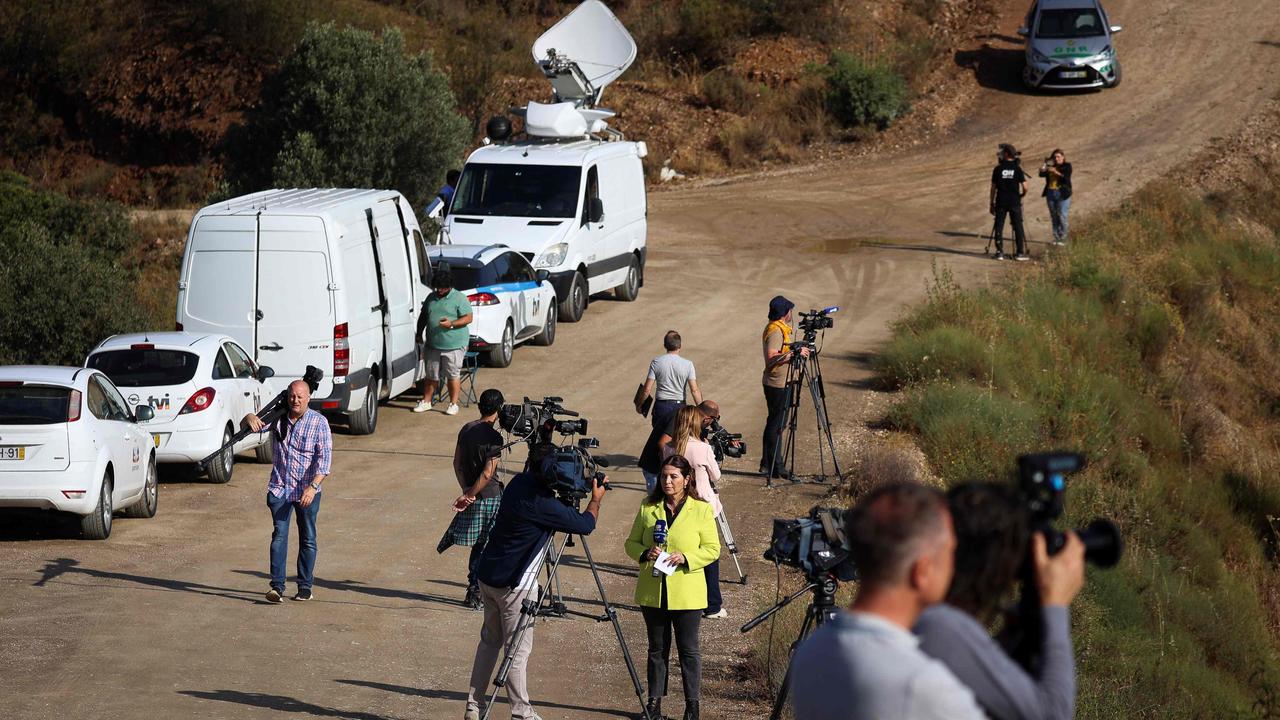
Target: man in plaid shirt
<point>303,449</point>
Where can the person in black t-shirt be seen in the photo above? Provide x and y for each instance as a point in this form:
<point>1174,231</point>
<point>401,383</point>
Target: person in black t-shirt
<point>475,463</point>
<point>1008,185</point>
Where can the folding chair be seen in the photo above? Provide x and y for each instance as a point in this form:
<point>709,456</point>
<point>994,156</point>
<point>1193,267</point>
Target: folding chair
<point>466,381</point>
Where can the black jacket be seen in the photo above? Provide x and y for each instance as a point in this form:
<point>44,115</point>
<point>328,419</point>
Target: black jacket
<point>1064,183</point>
<point>528,515</point>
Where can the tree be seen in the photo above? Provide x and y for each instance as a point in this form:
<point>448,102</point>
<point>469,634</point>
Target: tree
<point>350,109</point>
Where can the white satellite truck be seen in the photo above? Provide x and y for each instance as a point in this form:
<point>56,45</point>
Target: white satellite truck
<point>569,193</point>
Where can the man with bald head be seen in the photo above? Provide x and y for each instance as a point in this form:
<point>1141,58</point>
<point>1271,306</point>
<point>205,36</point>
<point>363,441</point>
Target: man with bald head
<point>303,449</point>
<point>865,663</point>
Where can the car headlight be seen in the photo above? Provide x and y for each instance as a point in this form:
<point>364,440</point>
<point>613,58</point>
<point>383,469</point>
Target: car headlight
<point>552,256</point>
<point>1038,57</point>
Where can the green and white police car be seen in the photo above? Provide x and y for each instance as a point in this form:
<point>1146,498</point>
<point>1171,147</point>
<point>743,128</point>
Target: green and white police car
<point>1070,46</point>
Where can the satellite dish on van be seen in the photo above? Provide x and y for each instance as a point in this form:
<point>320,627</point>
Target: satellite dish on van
<point>584,52</point>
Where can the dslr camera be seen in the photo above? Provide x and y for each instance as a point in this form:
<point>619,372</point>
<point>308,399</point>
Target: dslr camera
<point>816,544</point>
<point>1042,479</point>
<point>724,443</point>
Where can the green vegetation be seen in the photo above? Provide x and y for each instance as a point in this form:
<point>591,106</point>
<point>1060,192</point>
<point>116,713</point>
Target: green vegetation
<point>348,109</point>
<point>862,93</point>
<point>1151,346</point>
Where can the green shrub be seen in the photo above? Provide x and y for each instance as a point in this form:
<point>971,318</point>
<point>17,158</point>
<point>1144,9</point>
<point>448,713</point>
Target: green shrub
<point>723,90</point>
<point>348,109</point>
<point>862,93</point>
<point>968,432</point>
<point>944,353</point>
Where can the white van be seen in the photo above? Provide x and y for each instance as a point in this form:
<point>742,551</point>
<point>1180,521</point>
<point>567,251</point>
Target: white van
<point>569,194</point>
<point>326,277</point>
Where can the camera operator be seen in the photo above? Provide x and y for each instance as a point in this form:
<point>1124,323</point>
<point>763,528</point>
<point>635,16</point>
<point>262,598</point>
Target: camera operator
<point>508,572</point>
<point>690,424</point>
<point>669,375</point>
<point>777,354</point>
<point>865,663</point>
<point>1008,185</point>
<point>475,464</point>
<point>993,536</point>
<point>1056,172</point>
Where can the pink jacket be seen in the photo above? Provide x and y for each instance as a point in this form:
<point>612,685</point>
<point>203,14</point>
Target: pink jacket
<point>705,469</point>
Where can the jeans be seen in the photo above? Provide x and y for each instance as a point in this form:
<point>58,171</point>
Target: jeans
<point>650,480</point>
<point>771,458</point>
<point>715,600</point>
<point>306,517</point>
<point>501,616</point>
<point>1015,219</point>
<point>659,624</point>
<point>1058,208</point>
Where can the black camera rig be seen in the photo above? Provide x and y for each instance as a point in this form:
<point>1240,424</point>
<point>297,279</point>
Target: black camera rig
<point>570,470</point>
<point>816,544</point>
<point>268,414</point>
<point>724,443</point>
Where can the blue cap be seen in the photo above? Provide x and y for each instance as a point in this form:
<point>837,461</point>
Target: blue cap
<point>779,307</point>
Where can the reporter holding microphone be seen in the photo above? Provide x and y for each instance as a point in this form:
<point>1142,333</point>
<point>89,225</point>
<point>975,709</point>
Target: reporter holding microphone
<point>671,590</point>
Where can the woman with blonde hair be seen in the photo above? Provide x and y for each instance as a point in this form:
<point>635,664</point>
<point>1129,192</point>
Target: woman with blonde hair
<point>687,443</point>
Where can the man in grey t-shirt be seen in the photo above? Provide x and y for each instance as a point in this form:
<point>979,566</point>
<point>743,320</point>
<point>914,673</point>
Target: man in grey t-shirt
<point>669,375</point>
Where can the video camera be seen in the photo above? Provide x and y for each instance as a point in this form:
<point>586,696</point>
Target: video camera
<point>814,320</point>
<point>535,420</point>
<point>816,544</point>
<point>1042,479</point>
<point>570,471</point>
<point>724,443</point>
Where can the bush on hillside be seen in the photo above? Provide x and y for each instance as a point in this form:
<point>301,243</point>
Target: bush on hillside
<point>63,286</point>
<point>350,109</point>
<point>861,93</point>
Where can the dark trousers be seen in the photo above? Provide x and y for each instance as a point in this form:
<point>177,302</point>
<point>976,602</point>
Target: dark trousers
<point>473,563</point>
<point>1015,219</point>
<point>659,623</point>
<point>776,401</point>
<point>281,509</point>
<point>714,600</point>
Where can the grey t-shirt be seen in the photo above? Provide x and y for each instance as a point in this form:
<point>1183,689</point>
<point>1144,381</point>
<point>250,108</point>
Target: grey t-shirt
<point>671,374</point>
<point>1000,685</point>
<point>863,667</point>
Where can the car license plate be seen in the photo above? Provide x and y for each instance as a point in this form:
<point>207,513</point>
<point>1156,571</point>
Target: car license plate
<point>13,452</point>
<point>1067,74</point>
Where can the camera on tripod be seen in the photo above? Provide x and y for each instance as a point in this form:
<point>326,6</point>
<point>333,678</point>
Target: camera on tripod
<point>535,420</point>
<point>570,471</point>
<point>816,544</point>
<point>724,443</point>
<point>815,320</point>
<point>1042,479</point>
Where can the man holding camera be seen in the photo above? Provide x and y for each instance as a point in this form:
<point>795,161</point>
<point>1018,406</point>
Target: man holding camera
<point>777,356</point>
<point>865,663</point>
<point>445,315</point>
<point>508,572</point>
<point>1008,185</point>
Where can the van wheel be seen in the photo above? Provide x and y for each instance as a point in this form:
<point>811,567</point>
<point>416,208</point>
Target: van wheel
<point>265,452</point>
<point>575,304</point>
<point>150,500</point>
<point>365,421</point>
<point>500,354</point>
<point>220,470</point>
<point>548,334</point>
<point>97,524</point>
<point>629,290</point>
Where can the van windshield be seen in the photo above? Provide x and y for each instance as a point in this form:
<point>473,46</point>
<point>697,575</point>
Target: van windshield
<point>145,367</point>
<point>539,191</point>
<point>1070,23</point>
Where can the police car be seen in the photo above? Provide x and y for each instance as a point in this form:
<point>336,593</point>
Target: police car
<point>510,302</point>
<point>200,387</point>
<point>1069,46</point>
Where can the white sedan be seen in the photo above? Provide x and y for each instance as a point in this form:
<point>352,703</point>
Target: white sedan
<point>510,302</point>
<point>200,386</point>
<point>69,442</point>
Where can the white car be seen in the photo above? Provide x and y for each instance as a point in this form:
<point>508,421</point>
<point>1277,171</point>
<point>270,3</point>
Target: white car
<point>69,442</point>
<point>200,386</point>
<point>510,302</point>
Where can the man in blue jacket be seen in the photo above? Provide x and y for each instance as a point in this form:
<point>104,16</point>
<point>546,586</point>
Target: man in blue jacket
<point>508,574</point>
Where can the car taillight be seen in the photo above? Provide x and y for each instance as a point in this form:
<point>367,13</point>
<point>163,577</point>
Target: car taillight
<point>197,402</point>
<point>73,406</point>
<point>483,298</point>
<point>341,350</point>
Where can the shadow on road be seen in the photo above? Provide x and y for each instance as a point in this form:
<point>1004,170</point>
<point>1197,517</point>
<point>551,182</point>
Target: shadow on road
<point>995,68</point>
<point>355,586</point>
<point>280,703</point>
<point>55,570</point>
<point>461,697</point>
<point>22,524</point>
<point>573,561</point>
<point>931,249</point>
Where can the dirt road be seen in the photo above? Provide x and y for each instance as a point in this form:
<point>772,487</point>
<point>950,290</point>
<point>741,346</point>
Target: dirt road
<point>167,618</point>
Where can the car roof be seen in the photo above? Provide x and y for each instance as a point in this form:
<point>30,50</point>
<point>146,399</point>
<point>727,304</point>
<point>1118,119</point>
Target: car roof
<point>550,152</point>
<point>52,374</point>
<point>294,200</point>
<point>466,255</point>
<point>1067,4</point>
<point>168,340</point>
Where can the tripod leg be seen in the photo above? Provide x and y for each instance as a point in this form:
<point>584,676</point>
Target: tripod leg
<point>795,378</point>
<point>727,534</point>
<point>818,390</point>
<point>617,630</point>
<point>780,702</point>
<point>528,615</point>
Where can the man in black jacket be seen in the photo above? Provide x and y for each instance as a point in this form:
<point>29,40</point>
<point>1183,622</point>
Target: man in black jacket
<point>1008,185</point>
<point>1056,172</point>
<point>508,574</point>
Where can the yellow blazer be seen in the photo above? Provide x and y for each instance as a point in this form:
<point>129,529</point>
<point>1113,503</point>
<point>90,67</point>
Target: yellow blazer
<point>694,534</point>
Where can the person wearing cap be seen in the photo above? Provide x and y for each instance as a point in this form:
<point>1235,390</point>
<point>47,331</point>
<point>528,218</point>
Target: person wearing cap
<point>508,571</point>
<point>777,354</point>
<point>445,315</point>
<point>1008,185</point>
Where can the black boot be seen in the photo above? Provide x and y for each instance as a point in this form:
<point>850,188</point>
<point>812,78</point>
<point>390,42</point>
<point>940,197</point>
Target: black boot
<point>691,710</point>
<point>653,708</point>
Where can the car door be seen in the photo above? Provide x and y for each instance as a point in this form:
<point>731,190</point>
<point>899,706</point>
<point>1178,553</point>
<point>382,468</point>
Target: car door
<point>531,304</point>
<point>127,443</point>
<point>508,290</point>
<point>242,388</point>
<point>592,234</point>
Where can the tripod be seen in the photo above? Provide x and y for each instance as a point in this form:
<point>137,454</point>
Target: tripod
<point>821,609</point>
<point>806,372</point>
<point>727,534</point>
<point>530,609</point>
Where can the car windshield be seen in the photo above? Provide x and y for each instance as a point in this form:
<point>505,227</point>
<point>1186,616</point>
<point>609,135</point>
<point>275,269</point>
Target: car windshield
<point>539,191</point>
<point>1069,23</point>
<point>33,405</point>
<point>136,367</point>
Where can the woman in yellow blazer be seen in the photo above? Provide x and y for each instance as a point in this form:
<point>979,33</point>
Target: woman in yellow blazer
<point>675,601</point>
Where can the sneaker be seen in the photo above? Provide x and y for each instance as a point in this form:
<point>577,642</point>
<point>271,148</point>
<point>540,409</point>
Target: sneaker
<point>1022,258</point>
<point>721,613</point>
<point>274,596</point>
<point>303,595</point>
<point>1059,243</point>
<point>422,406</point>
<point>472,713</point>
<point>999,256</point>
<point>452,409</point>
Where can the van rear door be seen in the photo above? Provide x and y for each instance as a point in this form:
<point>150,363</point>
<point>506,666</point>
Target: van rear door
<point>398,309</point>
<point>296,315</point>
<point>218,293</point>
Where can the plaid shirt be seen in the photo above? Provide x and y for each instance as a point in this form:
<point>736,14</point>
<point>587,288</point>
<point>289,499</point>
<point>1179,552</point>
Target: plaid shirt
<point>303,452</point>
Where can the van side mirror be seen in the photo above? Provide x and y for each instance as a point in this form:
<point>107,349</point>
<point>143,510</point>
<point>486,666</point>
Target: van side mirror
<point>265,372</point>
<point>595,210</point>
<point>1116,28</point>
<point>542,275</point>
<point>144,413</point>
<point>1024,31</point>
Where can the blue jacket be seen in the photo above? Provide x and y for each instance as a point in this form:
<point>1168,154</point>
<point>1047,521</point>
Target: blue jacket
<point>528,515</point>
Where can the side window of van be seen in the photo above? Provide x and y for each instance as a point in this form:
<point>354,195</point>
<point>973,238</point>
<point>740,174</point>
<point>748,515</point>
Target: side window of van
<point>424,265</point>
<point>592,192</point>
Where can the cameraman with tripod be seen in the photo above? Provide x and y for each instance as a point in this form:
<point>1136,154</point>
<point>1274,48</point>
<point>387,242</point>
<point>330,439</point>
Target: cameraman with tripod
<point>508,573</point>
<point>777,357</point>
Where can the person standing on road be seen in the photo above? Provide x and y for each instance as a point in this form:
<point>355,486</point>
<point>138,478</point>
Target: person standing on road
<point>445,315</point>
<point>687,442</point>
<point>303,450</point>
<point>669,375</point>
<point>673,520</point>
<point>1008,185</point>
<point>475,464</point>
<point>777,355</point>
<point>1056,172</point>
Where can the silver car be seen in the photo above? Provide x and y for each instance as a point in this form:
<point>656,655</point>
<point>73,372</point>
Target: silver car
<point>1069,46</point>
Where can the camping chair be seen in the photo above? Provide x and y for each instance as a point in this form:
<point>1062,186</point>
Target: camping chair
<point>466,379</point>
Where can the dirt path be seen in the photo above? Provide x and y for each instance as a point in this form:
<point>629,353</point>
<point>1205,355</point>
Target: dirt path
<point>166,618</point>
